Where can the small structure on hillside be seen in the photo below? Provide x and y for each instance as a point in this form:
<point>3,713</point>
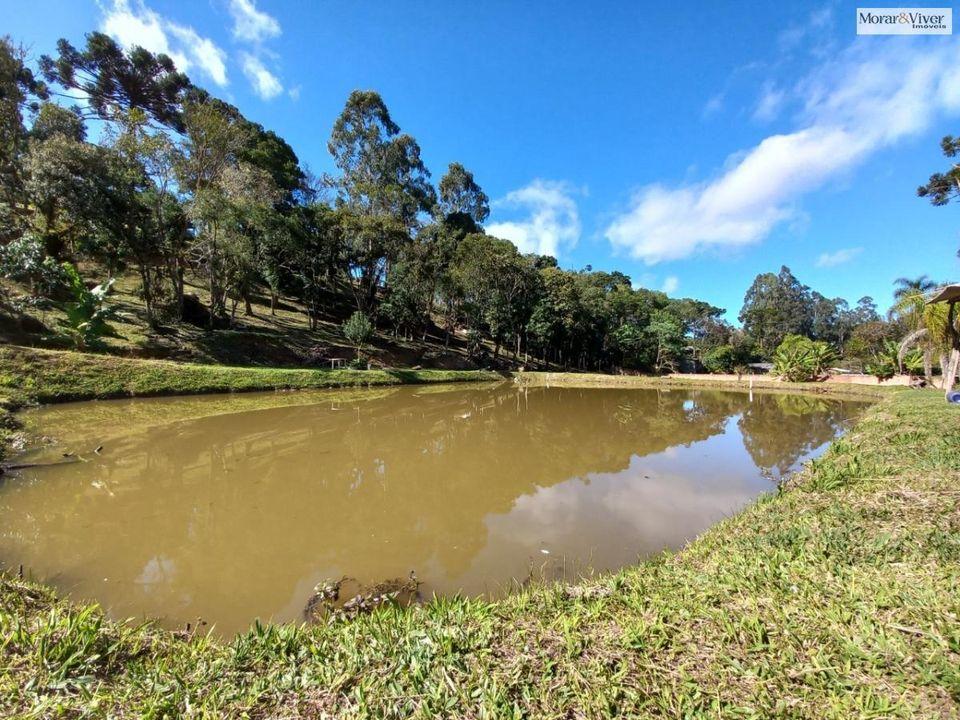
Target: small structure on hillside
<point>950,294</point>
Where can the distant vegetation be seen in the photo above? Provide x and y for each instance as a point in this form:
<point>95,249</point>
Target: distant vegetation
<point>180,190</point>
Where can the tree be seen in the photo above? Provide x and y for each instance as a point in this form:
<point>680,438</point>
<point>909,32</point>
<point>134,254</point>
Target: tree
<point>425,266</point>
<point>867,339</point>
<point>776,306</point>
<point>314,255</point>
<point>926,324</point>
<point>20,92</point>
<point>226,198</point>
<point>24,259</point>
<point>78,194</point>
<point>725,359</point>
<point>358,329</point>
<point>384,186</point>
<point>371,244</point>
<point>495,281</point>
<point>54,120</point>
<point>667,335</point>
<point>910,287</point>
<point>825,321</point>
<point>553,317</point>
<point>112,81</point>
<point>943,187</point>
<point>461,198</point>
<point>158,244</point>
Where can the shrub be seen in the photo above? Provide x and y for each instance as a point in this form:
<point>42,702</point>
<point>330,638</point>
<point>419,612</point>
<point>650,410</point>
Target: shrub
<point>885,363</point>
<point>800,359</point>
<point>358,329</point>
<point>87,320</point>
<point>25,260</point>
<point>726,359</point>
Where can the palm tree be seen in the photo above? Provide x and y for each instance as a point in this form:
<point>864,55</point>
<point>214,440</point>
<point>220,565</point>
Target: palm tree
<point>927,324</point>
<point>913,286</point>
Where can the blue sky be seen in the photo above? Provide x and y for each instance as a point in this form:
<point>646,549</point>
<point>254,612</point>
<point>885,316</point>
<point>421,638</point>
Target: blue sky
<point>690,146</point>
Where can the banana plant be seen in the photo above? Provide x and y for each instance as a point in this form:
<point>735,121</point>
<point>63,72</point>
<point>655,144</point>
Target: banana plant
<point>86,319</point>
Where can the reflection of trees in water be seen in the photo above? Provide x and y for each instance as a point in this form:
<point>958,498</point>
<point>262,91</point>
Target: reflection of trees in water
<point>405,480</point>
<point>780,429</point>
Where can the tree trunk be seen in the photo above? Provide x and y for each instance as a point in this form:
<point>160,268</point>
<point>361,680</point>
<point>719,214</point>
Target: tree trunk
<point>176,284</point>
<point>213,298</point>
<point>147,293</point>
<point>952,367</point>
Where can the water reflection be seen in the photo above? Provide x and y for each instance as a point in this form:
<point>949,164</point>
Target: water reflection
<point>233,508</point>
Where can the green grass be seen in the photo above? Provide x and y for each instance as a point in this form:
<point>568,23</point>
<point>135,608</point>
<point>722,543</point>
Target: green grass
<point>838,597</point>
<point>758,382</point>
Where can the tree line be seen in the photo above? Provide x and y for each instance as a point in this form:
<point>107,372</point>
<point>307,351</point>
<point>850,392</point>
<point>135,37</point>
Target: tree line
<point>179,184</point>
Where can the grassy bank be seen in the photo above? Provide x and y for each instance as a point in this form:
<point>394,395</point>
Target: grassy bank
<point>721,382</point>
<point>838,597</point>
<point>29,375</point>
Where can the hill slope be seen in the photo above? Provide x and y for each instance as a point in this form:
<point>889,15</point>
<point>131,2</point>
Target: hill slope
<point>276,338</point>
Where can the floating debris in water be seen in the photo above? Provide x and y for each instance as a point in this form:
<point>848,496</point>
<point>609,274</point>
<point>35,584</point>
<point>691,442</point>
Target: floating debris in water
<point>347,597</point>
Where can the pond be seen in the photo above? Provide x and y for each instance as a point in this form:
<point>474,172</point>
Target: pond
<point>230,508</point>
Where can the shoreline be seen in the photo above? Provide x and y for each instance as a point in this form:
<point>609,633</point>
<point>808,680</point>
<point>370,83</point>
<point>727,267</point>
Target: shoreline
<point>31,376</point>
<point>704,382</point>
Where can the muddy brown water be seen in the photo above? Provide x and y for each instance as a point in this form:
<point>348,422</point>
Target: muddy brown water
<point>230,508</point>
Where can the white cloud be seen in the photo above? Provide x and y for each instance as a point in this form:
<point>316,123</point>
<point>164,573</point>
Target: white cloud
<point>670,284</point>
<point>203,52</point>
<point>139,25</point>
<point>713,105</point>
<point>250,24</point>
<point>843,255</point>
<point>770,103</point>
<point>553,222</point>
<point>264,83</point>
<point>869,97</point>
<point>811,34</point>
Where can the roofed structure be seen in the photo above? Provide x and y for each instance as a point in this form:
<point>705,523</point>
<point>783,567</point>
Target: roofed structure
<point>948,293</point>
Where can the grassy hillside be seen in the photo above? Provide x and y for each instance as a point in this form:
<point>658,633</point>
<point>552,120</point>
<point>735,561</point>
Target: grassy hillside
<point>837,598</point>
<point>278,338</point>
